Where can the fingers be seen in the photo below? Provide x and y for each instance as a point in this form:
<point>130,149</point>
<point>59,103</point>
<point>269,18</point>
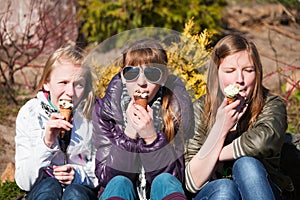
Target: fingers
<point>141,112</point>
<point>57,122</point>
<point>64,174</point>
<point>56,116</point>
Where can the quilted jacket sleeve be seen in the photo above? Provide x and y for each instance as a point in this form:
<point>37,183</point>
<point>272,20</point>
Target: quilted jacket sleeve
<point>116,153</point>
<point>162,155</point>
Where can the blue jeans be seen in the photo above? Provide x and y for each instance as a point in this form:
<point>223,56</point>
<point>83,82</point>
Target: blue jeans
<point>51,189</point>
<point>250,181</point>
<point>163,185</point>
<point>219,189</point>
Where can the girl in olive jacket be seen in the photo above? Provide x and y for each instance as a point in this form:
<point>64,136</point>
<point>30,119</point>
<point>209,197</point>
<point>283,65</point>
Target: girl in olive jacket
<point>235,152</point>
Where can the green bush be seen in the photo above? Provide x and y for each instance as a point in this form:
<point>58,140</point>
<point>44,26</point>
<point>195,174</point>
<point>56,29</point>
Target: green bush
<point>10,190</point>
<point>103,19</point>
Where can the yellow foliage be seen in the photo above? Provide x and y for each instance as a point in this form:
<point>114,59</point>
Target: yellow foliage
<point>188,58</point>
<point>104,74</point>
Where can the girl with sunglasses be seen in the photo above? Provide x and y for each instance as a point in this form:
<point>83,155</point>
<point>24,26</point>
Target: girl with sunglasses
<point>140,150</point>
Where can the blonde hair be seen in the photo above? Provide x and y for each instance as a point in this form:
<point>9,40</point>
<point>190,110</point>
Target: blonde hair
<point>229,45</point>
<point>74,55</point>
<point>149,51</point>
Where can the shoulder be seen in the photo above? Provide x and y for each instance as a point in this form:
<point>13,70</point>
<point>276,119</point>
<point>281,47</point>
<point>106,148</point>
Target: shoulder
<point>113,91</point>
<point>29,107</point>
<point>34,107</point>
<point>30,115</point>
<point>109,105</point>
<point>199,104</point>
<point>274,103</point>
<point>175,84</point>
<point>274,99</point>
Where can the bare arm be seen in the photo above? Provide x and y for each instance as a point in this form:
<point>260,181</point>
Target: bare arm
<point>203,163</point>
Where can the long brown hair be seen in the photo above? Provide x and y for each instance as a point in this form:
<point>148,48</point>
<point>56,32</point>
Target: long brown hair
<point>149,51</point>
<point>229,45</point>
<point>74,55</point>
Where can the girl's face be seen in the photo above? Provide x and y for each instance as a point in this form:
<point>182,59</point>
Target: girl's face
<point>67,81</point>
<point>238,69</point>
<point>142,84</point>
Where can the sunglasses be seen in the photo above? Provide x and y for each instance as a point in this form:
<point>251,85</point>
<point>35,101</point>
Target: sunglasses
<point>152,74</point>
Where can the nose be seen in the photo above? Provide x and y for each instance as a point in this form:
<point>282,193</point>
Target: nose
<point>240,77</point>
<point>141,81</point>
<point>70,89</point>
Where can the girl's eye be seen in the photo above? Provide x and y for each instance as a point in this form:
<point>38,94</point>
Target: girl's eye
<point>249,70</point>
<point>229,70</point>
<point>79,84</point>
<point>63,82</point>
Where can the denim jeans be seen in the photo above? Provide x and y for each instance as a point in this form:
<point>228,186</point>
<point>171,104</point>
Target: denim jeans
<point>250,182</point>
<point>51,189</point>
<point>224,189</point>
<point>121,187</point>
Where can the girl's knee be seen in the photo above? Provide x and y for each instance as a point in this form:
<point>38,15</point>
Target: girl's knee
<point>119,186</point>
<point>226,185</point>
<point>219,189</point>
<point>247,164</point>
<point>226,189</point>
<point>165,184</point>
<point>164,178</point>
<point>51,183</point>
<point>120,180</point>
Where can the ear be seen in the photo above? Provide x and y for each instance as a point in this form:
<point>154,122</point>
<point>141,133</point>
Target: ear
<point>46,87</point>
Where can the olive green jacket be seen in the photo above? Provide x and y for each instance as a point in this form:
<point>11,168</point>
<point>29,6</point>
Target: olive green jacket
<point>263,141</point>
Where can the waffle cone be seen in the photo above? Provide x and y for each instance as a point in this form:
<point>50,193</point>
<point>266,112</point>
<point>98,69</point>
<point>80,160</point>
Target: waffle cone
<point>141,101</point>
<point>66,112</point>
<point>230,100</point>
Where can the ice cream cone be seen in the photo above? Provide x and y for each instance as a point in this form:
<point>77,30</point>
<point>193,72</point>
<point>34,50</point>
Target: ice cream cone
<point>231,93</point>
<point>141,99</point>
<point>230,100</point>
<point>65,109</point>
<point>66,112</point>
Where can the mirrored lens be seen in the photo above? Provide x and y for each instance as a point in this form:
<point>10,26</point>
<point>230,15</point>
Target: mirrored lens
<point>131,73</point>
<point>153,74</point>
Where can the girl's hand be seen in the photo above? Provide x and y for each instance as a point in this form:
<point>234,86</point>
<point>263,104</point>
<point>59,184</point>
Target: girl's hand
<point>65,174</point>
<point>141,120</point>
<point>228,115</point>
<point>53,128</point>
<point>129,130</point>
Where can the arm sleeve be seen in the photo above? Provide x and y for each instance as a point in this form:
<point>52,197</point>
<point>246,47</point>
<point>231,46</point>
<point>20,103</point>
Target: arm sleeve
<point>32,155</point>
<point>194,144</point>
<point>84,162</point>
<point>85,175</point>
<point>266,137</point>
<point>190,184</point>
<point>162,156</point>
<point>116,153</point>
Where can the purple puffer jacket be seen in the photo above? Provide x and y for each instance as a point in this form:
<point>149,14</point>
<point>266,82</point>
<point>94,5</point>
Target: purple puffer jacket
<point>118,154</point>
